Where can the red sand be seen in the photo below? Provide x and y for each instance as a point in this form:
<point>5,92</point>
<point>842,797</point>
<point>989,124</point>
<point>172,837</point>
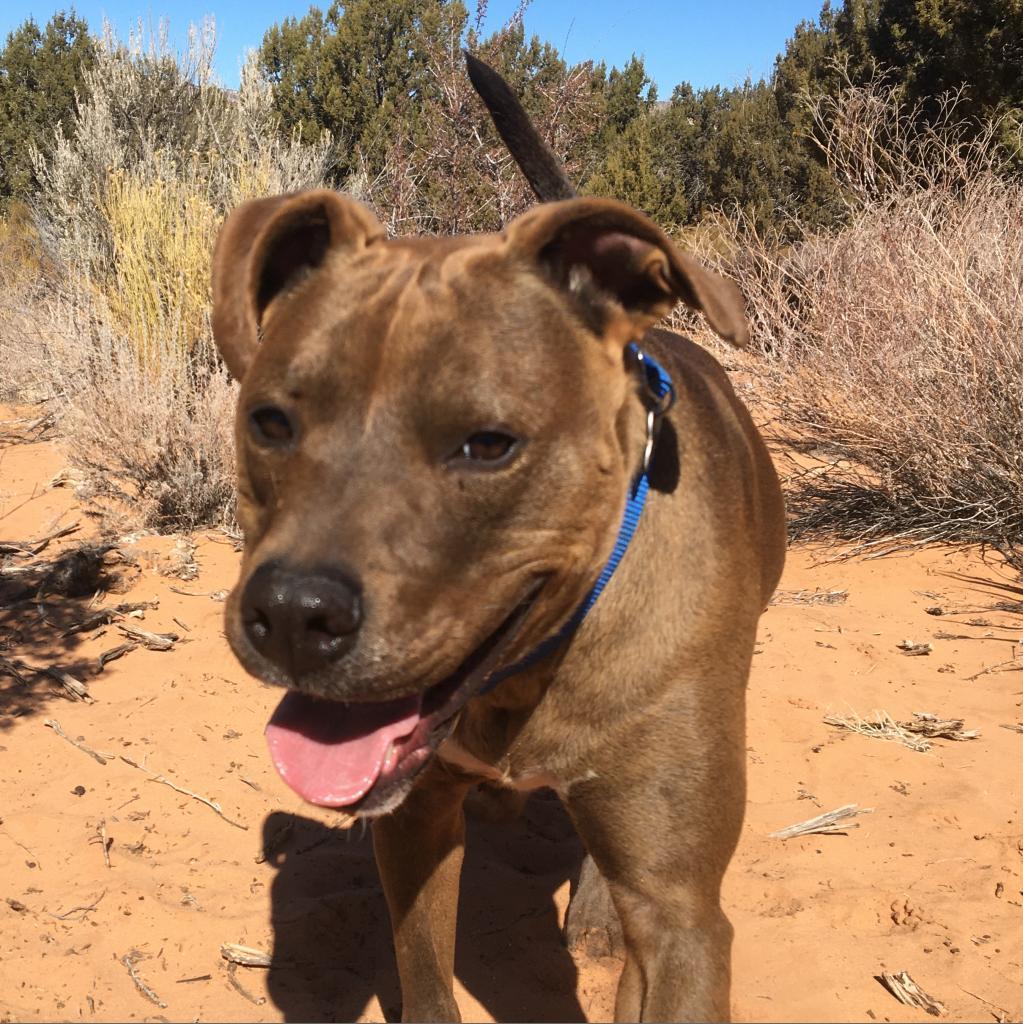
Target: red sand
<point>931,882</point>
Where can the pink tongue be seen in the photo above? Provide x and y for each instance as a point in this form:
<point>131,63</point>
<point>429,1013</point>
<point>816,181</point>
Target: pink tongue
<point>332,753</point>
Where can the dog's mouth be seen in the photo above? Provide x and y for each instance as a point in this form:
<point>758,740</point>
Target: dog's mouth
<point>358,755</point>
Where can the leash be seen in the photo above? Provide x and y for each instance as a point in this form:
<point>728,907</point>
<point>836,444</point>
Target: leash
<point>658,396</point>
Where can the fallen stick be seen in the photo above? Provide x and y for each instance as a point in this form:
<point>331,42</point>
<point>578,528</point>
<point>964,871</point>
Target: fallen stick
<point>246,956</point>
<point>75,689</point>
<point>1018,727</point>
<point>80,910</point>
<point>153,641</point>
<point>14,669</point>
<point>52,723</point>
<point>101,832</point>
<point>116,652</point>
<point>240,989</point>
<point>824,824</point>
<point>907,991</point>
<point>129,960</point>
<point>163,780</point>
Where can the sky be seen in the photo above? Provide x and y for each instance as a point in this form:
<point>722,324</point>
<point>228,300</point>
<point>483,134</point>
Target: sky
<point>705,43</point>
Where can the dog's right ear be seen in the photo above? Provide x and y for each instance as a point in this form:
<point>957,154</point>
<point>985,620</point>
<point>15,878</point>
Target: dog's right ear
<point>267,246</point>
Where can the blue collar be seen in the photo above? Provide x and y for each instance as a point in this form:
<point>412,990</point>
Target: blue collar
<point>658,395</point>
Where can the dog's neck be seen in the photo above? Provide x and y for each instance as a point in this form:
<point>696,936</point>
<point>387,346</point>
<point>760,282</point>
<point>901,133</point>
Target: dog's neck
<point>658,395</point>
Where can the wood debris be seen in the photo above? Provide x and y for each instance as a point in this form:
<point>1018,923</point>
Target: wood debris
<point>129,960</point>
<point>912,649</point>
<point>882,727</point>
<point>933,727</point>
<point>810,597</point>
<point>907,991</point>
<point>1018,727</point>
<point>116,652</point>
<point>829,823</point>
<point>80,911</point>
<point>232,968</point>
<point>152,641</point>
<point>246,956</point>
<point>74,688</point>
<point>52,723</point>
<point>164,781</point>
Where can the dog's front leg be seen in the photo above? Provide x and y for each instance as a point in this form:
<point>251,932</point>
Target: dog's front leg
<point>663,850</point>
<point>419,854</point>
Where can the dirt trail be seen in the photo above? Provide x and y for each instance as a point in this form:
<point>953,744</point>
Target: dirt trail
<point>930,882</point>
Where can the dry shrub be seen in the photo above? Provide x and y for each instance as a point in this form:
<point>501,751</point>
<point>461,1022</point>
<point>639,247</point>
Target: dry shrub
<point>447,171</point>
<point>129,207</point>
<point>891,353</point>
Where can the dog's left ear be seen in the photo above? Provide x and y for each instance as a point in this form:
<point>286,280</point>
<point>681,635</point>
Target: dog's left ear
<point>601,250</point>
<point>265,247</point>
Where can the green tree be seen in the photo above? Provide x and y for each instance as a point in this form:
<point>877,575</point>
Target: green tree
<point>41,71</point>
<point>357,70</point>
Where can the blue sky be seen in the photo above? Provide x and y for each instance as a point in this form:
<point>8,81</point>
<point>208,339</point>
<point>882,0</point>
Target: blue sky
<point>716,43</point>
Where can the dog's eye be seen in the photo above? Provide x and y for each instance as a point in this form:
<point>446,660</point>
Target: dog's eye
<point>271,427</point>
<point>487,447</point>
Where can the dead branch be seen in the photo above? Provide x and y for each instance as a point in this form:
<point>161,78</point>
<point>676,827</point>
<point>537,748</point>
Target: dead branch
<point>824,824</point>
<point>81,911</point>
<point>907,991</point>
<point>129,960</point>
<point>152,641</point>
<point>163,780</point>
<point>52,723</point>
<point>246,956</point>
<point>884,727</point>
<point>239,988</point>
<point>933,727</point>
<point>116,652</point>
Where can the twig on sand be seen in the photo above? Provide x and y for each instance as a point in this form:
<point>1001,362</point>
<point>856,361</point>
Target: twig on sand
<point>246,956</point>
<point>16,670</point>
<point>52,723</point>
<point>933,727</point>
<point>101,835</point>
<point>81,911</point>
<point>74,688</point>
<point>915,734</point>
<point>1013,664</point>
<point>882,727</point>
<point>240,989</point>
<point>153,641</point>
<point>163,780</point>
<point>129,960</point>
<point>116,652</point>
<point>907,991</point>
<point>913,649</point>
<point>1000,1015</point>
<point>810,597</point>
<point>829,823</point>
<point>1018,727</point>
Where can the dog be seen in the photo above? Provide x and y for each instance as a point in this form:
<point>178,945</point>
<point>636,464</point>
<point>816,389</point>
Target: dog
<point>500,528</point>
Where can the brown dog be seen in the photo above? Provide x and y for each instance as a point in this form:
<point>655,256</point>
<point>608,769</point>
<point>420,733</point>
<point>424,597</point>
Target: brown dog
<point>437,438</point>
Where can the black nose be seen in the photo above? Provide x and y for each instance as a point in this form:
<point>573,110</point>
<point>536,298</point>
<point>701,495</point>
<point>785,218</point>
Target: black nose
<point>301,620</point>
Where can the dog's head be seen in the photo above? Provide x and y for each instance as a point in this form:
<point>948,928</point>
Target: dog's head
<point>435,439</point>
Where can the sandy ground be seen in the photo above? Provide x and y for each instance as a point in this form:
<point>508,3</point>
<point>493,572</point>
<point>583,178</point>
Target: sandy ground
<point>930,882</point>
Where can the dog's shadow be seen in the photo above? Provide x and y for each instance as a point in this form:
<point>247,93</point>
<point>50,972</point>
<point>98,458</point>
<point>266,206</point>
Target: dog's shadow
<point>332,947</point>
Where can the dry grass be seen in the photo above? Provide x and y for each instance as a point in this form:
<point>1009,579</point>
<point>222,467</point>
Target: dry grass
<point>890,356</point>
<point>119,334</point>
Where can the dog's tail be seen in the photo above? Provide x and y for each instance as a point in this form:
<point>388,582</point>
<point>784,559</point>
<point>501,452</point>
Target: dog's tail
<point>541,167</point>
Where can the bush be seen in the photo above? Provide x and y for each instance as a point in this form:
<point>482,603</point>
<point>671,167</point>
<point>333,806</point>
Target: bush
<point>129,205</point>
<point>892,357</point>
